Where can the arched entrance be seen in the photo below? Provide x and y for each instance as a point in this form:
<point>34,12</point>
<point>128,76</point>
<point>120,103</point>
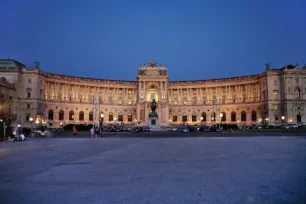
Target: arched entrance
<point>299,118</point>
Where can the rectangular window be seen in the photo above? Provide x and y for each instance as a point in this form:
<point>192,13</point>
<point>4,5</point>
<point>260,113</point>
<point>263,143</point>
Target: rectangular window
<point>28,105</point>
<point>10,98</point>
<point>110,118</point>
<point>29,94</point>
<point>289,89</point>
<point>27,118</point>
<point>1,96</point>
<point>184,118</point>
<point>194,118</point>
<point>174,118</point>
<point>120,118</point>
<point>130,118</point>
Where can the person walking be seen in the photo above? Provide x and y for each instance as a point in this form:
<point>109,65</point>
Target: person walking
<point>97,132</point>
<point>75,131</point>
<point>92,132</point>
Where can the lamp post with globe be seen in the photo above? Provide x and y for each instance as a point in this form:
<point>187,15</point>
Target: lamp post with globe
<point>283,120</point>
<point>221,116</point>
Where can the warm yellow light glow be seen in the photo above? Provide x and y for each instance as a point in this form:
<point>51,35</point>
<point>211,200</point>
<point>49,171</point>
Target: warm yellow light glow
<point>238,121</point>
<point>221,115</point>
<point>283,117</point>
<point>201,118</point>
<point>260,119</point>
<point>102,115</point>
<point>1,120</point>
<point>31,119</point>
<point>290,120</point>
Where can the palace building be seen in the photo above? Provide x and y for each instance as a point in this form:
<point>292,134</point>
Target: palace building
<point>30,95</point>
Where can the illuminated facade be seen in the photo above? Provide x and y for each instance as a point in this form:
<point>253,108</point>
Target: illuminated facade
<point>275,96</point>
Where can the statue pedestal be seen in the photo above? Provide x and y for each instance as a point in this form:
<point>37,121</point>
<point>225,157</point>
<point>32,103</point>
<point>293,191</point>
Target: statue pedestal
<point>154,123</point>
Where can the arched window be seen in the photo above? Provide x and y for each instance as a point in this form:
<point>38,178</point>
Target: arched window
<point>203,117</point>
<point>50,115</point>
<point>71,115</point>
<point>223,119</point>
<point>243,116</point>
<point>61,115</point>
<point>213,116</point>
<point>254,116</point>
<point>81,115</point>
<point>233,117</point>
<point>90,116</point>
<point>298,118</point>
<point>120,118</point>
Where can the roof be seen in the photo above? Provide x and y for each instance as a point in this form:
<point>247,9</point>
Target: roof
<point>87,78</point>
<point>219,79</point>
<point>11,61</point>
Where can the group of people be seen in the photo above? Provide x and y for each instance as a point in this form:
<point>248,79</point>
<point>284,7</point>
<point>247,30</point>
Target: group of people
<point>18,134</point>
<point>96,132</point>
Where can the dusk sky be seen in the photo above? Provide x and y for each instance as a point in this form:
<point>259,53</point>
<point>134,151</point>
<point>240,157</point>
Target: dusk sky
<point>195,39</point>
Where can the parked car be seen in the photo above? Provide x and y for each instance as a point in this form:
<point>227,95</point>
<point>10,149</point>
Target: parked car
<point>214,129</point>
<point>204,129</point>
<point>137,130</point>
<point>110,129</point>
<point>192,129</point>
<point>119,129</point>
<point>129,129</point>
<point>294,126</point>
<point>185,129</point>
<point>146,129</point>
<point>174,129</point>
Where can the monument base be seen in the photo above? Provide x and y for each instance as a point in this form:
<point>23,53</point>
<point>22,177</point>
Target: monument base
<point>154,123</point>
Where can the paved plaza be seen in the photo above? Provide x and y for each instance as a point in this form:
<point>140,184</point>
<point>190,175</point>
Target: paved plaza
<point>154,170</point>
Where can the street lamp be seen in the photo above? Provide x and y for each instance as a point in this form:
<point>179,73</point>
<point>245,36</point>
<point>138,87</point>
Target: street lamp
<point>135,120</point>
<point>221,115</point>
<point>101,119</point>
<point>31,120</point>
<point>283,119</point>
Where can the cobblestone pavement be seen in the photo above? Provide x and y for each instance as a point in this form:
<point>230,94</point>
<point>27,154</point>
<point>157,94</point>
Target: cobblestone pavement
<point>154,170</point>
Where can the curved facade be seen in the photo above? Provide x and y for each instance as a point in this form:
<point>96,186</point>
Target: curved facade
<point>275,96</point>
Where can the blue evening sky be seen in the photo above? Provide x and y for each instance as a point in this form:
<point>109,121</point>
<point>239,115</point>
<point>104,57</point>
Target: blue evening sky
<point>195,39</point>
